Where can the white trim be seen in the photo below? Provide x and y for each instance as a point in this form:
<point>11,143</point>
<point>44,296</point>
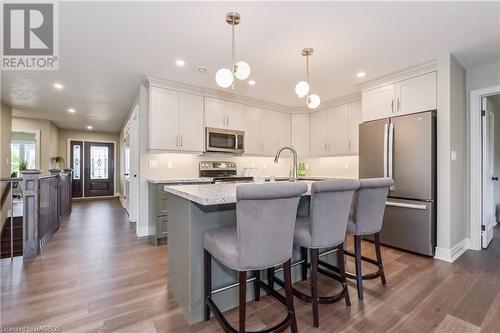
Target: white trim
<point>143,231</point>
<point>450,255</point>
<point>476,170</point>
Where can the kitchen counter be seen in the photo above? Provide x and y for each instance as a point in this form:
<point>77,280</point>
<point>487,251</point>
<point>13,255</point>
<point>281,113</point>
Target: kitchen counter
<point>213,194</point>
<point>179,180</point>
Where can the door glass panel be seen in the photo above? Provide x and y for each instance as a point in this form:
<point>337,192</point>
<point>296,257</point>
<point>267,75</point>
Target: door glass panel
<point>221,140</point>
<point>98,162</point>
<point>76,161</point>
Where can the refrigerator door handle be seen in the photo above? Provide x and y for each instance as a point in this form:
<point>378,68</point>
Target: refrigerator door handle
<point>391,153</point>
<point>405,205</point>
<point>386,130</point>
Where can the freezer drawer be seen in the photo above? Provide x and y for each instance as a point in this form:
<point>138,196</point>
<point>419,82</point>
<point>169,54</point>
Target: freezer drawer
<point>409,225</point>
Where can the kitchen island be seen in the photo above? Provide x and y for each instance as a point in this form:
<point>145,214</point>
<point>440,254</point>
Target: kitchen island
<point>194,209</point>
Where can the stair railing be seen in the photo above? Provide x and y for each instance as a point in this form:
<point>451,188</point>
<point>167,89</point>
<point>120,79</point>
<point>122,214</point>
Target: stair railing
<point>8,190</point>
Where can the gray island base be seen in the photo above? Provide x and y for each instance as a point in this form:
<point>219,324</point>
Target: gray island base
<point>188,220</point>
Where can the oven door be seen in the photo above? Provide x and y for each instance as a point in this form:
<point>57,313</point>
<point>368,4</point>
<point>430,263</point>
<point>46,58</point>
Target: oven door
<point>226,141</point>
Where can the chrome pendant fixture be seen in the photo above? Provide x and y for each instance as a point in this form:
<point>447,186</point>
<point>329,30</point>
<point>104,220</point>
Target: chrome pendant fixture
<point>241,70</point>
<point>303,87</point>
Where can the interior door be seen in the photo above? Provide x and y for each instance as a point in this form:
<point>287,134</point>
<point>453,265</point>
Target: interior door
<point>99,169</point>
<point>488,174</point>
<point>373,149</point>
<point>76,158</point>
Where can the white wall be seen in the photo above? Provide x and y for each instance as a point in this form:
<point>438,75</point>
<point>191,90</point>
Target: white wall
<point>5,133</point>
<point>451,221</point>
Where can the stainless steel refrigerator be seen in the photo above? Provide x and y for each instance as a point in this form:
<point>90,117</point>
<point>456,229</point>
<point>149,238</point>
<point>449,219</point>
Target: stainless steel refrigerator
<point>404,148</point>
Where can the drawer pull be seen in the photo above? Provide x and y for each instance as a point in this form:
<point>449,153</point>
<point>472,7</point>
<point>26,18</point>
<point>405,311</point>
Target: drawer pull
<point>405,205</point>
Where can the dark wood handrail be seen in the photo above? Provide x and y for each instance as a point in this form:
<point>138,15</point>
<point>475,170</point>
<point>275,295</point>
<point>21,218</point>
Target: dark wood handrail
<point>5,195</point>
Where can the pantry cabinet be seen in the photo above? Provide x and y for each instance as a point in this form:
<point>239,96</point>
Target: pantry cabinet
<point>175,120</point>
<point>416,94</point>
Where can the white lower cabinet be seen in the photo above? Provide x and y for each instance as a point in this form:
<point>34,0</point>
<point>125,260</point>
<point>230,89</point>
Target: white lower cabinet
<point>175,120</point>
<point>300,133</point>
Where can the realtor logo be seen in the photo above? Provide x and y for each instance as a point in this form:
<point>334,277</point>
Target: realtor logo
<point>30,39</point>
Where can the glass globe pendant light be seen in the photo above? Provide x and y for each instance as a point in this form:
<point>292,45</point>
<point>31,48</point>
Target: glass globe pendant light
<point>241,69</point>
<point>303,87</point>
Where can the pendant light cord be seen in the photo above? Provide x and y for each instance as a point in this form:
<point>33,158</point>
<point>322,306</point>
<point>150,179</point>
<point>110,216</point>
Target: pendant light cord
<point>307,74</point>
<point>232,53</point>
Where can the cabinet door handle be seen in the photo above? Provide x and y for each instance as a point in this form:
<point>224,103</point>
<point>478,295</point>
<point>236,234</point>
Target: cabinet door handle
<point>181,140</point>
<point>398,105</point>
<point>349,145</point>
<point>392,105</point>
<point>227,123</point>
<point>325,146</point>
<point>177,141</point>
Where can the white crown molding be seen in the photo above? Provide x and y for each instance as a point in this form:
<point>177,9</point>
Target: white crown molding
<point>399,75</point>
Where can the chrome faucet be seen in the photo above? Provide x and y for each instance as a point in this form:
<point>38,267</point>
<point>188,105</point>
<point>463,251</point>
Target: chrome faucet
<point>295,174</point>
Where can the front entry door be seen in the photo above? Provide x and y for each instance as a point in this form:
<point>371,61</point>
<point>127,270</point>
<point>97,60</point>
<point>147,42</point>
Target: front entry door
<point>76,158</point>
<point>99,169</point>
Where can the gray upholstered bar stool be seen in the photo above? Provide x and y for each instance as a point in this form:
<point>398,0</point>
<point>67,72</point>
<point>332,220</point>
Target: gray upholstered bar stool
<point>367,216</point>
<point>262,238</point>
<point>324,228</point>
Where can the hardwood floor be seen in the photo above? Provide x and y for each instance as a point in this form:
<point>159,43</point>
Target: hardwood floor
<point>96,276</point>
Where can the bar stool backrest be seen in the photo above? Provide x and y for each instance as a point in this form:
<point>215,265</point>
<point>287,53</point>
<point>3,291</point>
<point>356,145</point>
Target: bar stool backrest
<point>331,203</point>
<point>369,204</point>
<point>265,218</point>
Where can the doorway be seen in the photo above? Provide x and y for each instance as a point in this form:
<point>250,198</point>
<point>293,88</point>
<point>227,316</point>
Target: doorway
<point>491,167</point>
<point>93,165</point>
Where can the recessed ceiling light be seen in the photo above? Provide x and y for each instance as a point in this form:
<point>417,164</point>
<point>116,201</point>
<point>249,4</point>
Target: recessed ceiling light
<point>251,82</point>
<point>71,110</point>
<point>361,74</point>
<point>180,62</point>
<point>58,86</point>
<point>89,127</point>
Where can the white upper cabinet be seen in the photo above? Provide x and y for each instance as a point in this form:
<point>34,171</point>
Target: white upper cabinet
<point>215,112</point>
<point>378,103</point>
<point>282,129</point>
<point>300,133</point>
<point>175,120</point>
<point>416,94</point>
<point>253,131</point>
<point>235,116</point>
<point>354,121</point>
<point>163,119</point>
<point>191,122</point>
<point>269,144</point>
<point>338,130</point>
<point>319,133</point>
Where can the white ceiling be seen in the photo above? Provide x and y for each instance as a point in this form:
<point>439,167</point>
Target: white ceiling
<point>107,47</point>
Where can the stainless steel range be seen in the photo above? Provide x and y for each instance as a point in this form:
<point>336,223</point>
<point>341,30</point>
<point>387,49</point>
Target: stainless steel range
<point>222,172</point>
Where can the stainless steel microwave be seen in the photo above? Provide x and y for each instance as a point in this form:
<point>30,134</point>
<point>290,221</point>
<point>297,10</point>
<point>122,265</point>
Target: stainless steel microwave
<point>224,140</point>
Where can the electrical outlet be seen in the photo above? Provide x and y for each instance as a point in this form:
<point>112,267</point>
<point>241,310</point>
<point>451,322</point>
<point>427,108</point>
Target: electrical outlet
<point>170,165</point>
<point>346,166</point>
<point>306,166</point>
<point>453,155</point>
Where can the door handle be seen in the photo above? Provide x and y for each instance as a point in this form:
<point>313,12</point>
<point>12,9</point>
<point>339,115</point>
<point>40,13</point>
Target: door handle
<point>386,132</point>
<point>494,178</point>
<point>391,153</point>
<point>405,205</point>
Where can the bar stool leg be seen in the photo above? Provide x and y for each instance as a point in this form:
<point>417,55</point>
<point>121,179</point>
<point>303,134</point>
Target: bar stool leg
<point>270,277</point>
<point>287,276</point>
<point>207,259</point>
<point>303,266</point>
<point>256,285</point>
<point>243,300</point>
<point>379,257</point>
<point>341,264</point>
<point>314,286</point>
<point>359,274</point>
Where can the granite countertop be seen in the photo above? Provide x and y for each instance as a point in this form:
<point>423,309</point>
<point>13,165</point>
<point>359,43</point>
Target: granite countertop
<point>212,194</point>
<point>179,180</point>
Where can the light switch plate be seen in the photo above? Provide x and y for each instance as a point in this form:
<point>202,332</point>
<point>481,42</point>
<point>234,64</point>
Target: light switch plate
<point>453,155</point>
<point>153,164</point>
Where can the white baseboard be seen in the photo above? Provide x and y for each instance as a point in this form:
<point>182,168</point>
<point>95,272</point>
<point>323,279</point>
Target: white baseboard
<point>450,255</point>
<point>143,231</point>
